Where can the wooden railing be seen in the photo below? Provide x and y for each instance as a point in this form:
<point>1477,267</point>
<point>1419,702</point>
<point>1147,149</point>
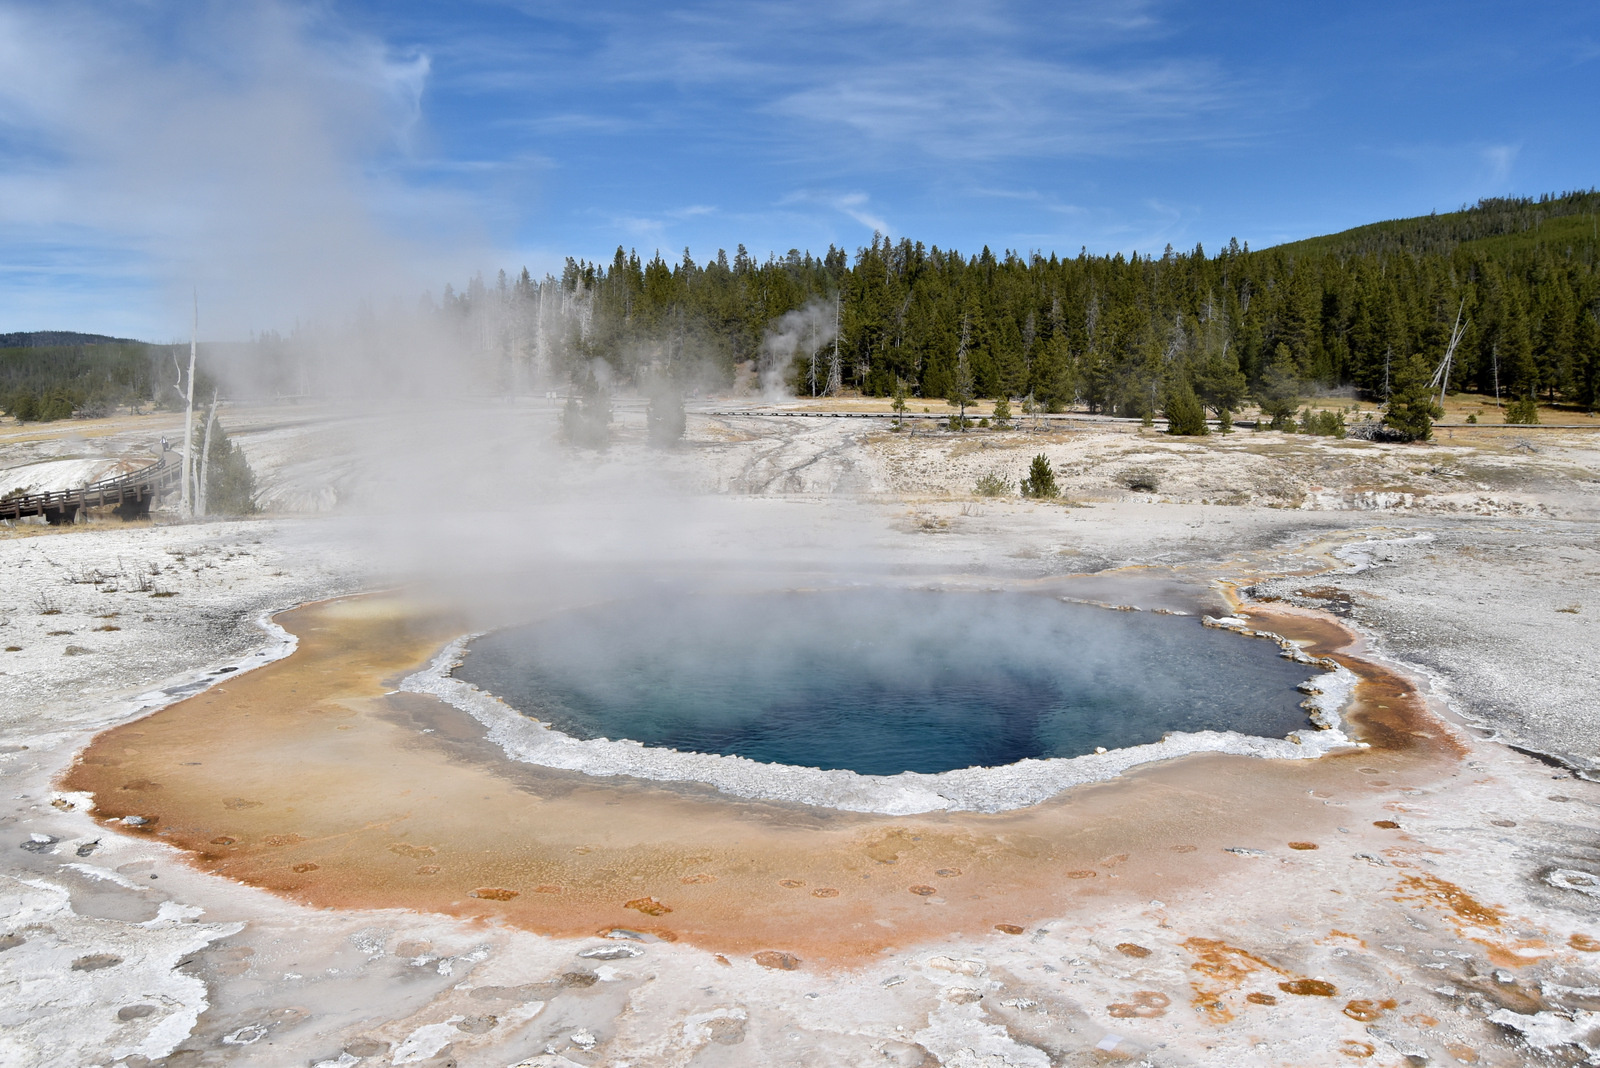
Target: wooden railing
<point>131,494</point>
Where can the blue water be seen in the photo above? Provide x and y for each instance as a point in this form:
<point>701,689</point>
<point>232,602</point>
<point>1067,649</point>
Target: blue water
<point>881,681</point>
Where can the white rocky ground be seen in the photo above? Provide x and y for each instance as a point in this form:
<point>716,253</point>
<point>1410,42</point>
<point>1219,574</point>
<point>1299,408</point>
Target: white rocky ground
<point>1475,563</point>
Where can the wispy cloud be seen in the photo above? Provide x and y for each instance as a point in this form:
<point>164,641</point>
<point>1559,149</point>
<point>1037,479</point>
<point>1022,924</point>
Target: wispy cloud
<point>248,148</point>
<point>855,206</point>
<point>1500,159</point>
<point>1043,201</point>
<point>971,80</point>
<point>956,81</point>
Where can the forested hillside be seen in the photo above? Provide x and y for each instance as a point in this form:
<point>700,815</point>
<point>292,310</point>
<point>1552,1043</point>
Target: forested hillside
<point>1364,308</point>
<point>1371,308</point>
<point>54,381</point>
<point>38,339</point>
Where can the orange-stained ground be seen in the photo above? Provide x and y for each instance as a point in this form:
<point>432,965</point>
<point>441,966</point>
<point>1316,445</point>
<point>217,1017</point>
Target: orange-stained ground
<point>305,778</point>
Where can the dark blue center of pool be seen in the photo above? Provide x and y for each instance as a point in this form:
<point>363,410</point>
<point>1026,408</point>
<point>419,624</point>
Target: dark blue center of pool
<point>884,681</point>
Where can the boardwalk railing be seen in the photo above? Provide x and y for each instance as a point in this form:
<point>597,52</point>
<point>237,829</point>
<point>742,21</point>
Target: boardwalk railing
<point>131,494</point>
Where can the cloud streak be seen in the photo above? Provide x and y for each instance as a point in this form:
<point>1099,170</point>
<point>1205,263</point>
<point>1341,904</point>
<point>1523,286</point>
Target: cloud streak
<point>251,149</point>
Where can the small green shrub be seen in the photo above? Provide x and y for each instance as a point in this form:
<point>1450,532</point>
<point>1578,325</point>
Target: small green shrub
<point>1322,424</point>
<point>1041,480</point>
<point>1411,409</point>
<point>992,484</point>
<point>586,419</point>
<point>664,419</point>
<point>1185,414</point>
<point>1525,411</point>
<point>230,481</point>
<point>1002,412</point>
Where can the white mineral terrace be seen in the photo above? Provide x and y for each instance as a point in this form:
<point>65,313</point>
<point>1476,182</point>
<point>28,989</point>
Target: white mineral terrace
<point>1451,907</point>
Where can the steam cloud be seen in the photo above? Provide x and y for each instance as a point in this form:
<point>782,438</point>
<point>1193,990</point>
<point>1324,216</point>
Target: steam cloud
<point>242,148</point>
<point>800,334</point>
<point>249,149</point>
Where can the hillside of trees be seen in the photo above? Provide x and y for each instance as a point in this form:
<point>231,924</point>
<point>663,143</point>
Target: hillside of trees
<point>37,339</point>
<point>41,379</point>
<point>1365,309</point>
<point>1371,309</point>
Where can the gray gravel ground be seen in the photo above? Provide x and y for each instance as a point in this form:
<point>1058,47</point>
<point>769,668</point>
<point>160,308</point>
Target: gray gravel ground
<point>114,951</point>
<point>1500,613</point>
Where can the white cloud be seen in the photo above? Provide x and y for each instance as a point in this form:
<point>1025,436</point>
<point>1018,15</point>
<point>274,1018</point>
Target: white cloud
<point>1500,159</point>
<point>953,80</point>
<point>851,205</point>
<point>855,206</point>
<point>251,149</point>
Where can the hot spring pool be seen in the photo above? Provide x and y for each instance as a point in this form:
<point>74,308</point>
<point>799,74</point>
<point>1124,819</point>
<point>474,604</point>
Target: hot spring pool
<point>881,681</point>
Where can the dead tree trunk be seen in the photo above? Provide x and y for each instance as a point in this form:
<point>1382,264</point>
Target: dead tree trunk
<point>205,458</point>
<point>187,499</point>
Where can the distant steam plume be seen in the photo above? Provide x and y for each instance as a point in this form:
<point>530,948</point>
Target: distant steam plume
<point>798,335</point>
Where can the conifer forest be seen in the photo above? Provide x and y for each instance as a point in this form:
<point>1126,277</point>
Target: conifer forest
<point>1375,308</point>
<point>1369,308</point>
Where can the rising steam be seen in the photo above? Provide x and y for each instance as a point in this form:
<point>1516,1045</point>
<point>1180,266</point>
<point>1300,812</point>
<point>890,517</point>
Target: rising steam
<point>800,337</point>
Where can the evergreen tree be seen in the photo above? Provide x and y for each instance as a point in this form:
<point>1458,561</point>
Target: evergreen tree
<point>1220,383</point>
<point>1184,412</point>
<point>586,418</point>
<point>1002,413</point>
<point>1412,409</point>
<point>1041,480</point>
<point>1586,357</point>
<point>230,482</point>
<point>664,419</point>
<point>1279,392</point>
<point>1525,411</point>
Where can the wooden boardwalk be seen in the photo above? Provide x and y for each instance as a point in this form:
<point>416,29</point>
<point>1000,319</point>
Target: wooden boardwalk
<point>130,494</point>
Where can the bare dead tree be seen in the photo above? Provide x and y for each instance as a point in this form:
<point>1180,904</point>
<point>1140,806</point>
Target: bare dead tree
<point>205,458</point>
<point>1441,374</point>
<point>835,369</point>
<point>187,498</point>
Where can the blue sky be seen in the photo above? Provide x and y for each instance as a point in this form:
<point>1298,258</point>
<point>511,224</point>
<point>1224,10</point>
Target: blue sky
<point>290,159</point>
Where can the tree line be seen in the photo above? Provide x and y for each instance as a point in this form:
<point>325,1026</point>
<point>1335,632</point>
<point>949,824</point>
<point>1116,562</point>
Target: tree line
<point>1372,309</point>
<point>41,382</point>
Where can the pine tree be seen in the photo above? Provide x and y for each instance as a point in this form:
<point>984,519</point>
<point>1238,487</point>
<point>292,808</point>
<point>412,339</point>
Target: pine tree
<point>1220,383</point>
<point>1524,411</point>
<point>1041,480</point>
<point>1586,357</point>
<point>230,482</point>
<point>1183,410</point>
<point>1279,392</point>
<point>586,419</point>
<point>1002,413</point>
<point>1412,409</point>
<point>664,419</point>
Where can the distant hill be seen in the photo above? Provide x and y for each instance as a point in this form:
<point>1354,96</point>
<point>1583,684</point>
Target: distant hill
<point>42,378</point>
<point>1514,280</point>
<point>38,339</point>
<point>1562,222</point>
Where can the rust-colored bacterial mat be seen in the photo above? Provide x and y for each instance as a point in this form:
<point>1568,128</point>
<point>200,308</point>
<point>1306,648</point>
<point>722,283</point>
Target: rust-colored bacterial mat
<point>309,778</point>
